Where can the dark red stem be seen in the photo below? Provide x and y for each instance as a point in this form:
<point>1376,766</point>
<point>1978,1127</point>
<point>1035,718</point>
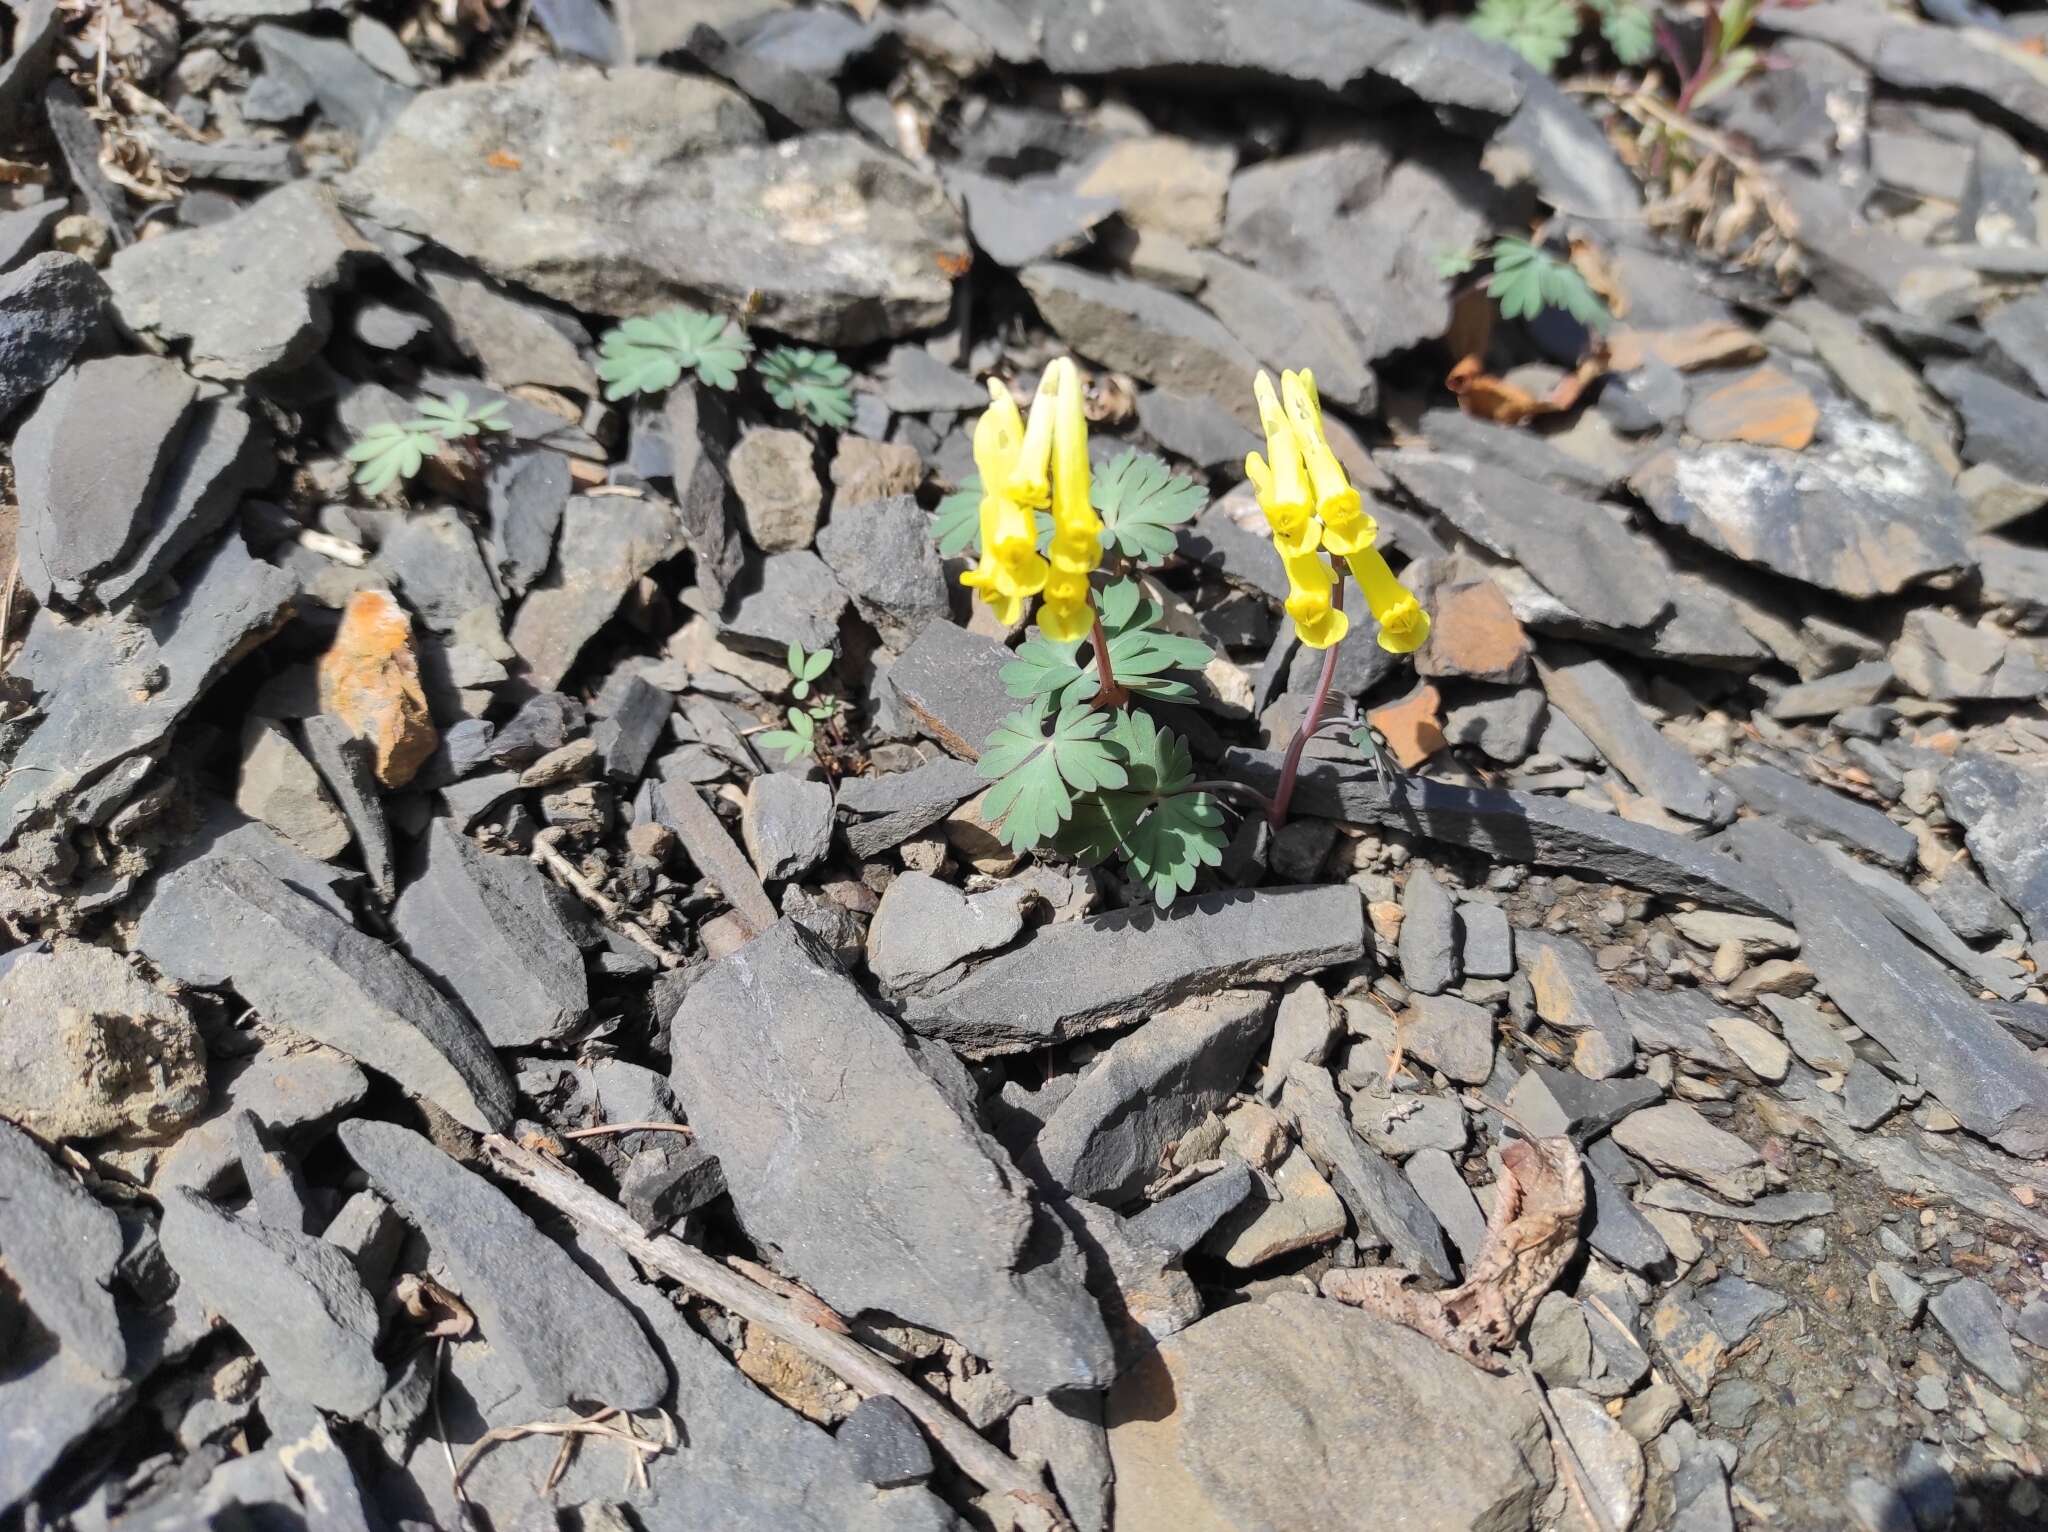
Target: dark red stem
<point>1291,766</point>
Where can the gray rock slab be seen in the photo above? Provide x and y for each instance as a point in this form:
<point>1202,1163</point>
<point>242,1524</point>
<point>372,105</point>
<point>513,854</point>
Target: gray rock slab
<point>1947,660</point>
<point>786,825</point>
<point>846,1155</point>
<point>1376,1193</point>
<point>1775,1208</point>
<point>605,546</point>
<point>526,493</point>
<point>1434,1175</point>
<point>225,454</point>
<point>1552,1101</point>
<point>1520,827</point>
<point>1180,1222</point>
<point>513,341</point>
<point>288,1085</point>
<point>2002,425</point>
<point>1080,976</point>
<point>308,971</point>
<point>433,559</point>
<point>1429,936</point>
<point>922,927</point>
<point>884,1445</point>
<point>1284,328</point>
<point>1450,1035</point>
<point>788,598</point>
<point>350,93</point>
<point>1028,219</point>
<point>241,316</point>
<point>1825,696</point>
<point>1975,1318</point>
<point>1862,512</point>
<point>883,556</point>
<point>1131,326</point>
<point>85,497</point>
<point>1148,1088</point>
<point>488,930</point>
<point>1676,1139</point>
<point>1901,997</point>
<point>1572,994</point>
<point>24,231</point>
<point>279,786</point>
<point>1593,695</point>
<point>1486,942</point>
<point>61,1247</point>
<point>626,720</point>
<point>346,763</point>
<point>1196,428</point>
<point>50,306</point>
<point>951,681</point>
<point>1819,811</point>
<point>887,809</point>
<point>712,849</point>
<point>94,743</point>
<point>298,1301</point>
<point>2004,809</point>
<point>1905,908</point>
<point>570,1338</point>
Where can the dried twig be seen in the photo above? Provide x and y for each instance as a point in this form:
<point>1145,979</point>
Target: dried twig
<point>1582,1486</point>
<point>553,861</point>
<point>641,1448</point>
<point>328,546</point>
<point>862,1369</point>
<point>604,1128</point>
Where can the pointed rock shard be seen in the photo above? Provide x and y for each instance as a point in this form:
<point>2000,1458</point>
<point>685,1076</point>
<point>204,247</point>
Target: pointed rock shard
<point>2006,810</point>
<point>370,680</point>
<point>842,1152</point>
<point>571,1339</point>
<point>605,546</point>
<point>61,1247</point>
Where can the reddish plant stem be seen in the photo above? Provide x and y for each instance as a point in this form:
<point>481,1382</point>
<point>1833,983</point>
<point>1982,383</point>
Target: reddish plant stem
<point>1109,692</point>
<point>1283,794</point>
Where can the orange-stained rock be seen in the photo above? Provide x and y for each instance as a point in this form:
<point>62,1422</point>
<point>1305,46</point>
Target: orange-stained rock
<point>1473,633</point>
<point>1765,407</point>
<point>370,679</point>
<point>1714,343</point>
<point>1413,726</point>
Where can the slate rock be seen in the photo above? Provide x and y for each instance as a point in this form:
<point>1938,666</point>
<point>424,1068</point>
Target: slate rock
<point>1824,697</point>
<point>890,807</point>
<point>568,1337</point>
<point>346,764</point>
<point>1593,695</point>
<point>883,556</point>
<point>773,473</point>
<point>225,453</point>
<point>951,681</point>
<point>2002,425</point>
<point>606,545</point>
<point>1434,1175</point>
<point>884,1444</point>
<point>433,557</point>
<point>1901,997</point>
<point>50,306</point>
<point>1294,1410</point>
<point>793,599</point>
<point>786,825</point>
<point>1647,399</point>
<point>923,927</point>
<point>1676,1139</point>
<point>1868,1096</point>
<point>513,341</point>
<point>95,744</point>
<point>1105,1140</point>
<point>2004,809</point>
<point>711,849</point>
<point>527,492</point>
<point>1195,427</point>
<point>24,231</point>
<point>355,97</point>
<point>1180,1222</point>
<point>1572,994</point>
<point>1132,327</point>
<point>1452,1036</point>
<point>1974,1317</point>
<point>1862,512</point>
<point>248,295</point>
<point>845,244</point>
<point>88,1048</point>
<point>1017,222</point>
<point>1376,1194</point>
<point>296,1300</point>
<point>626,720</point>
<point>1819,811</point>
<point>489,930</point>
<point>61,1248</point>
<point>230,920</point>
<point>83,507</point>
<point>1486,942</point>
<point>1081,976</point>
<point>1429,937</point>
<point>1282,328</point>
<point>669,1179</point>
<point>1947,660</point>
<point>844,1153</point>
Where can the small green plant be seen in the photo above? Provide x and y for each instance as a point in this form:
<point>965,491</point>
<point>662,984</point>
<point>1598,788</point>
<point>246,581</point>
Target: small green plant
<point>1543,31</point>
<point>806,668</point>
<point>651,353</point>
<point>814,384</point>
<point>1141,501</point>
<point>1526,279</point>
<point>392,451</point>
<point>1722,61</point>
<point>1051,677</point>
<point>801,737</point>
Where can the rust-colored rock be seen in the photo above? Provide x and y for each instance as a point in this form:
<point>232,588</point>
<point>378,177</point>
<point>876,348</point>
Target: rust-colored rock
<point>1414,726</point>
<point>1764,407</point>
<point>1713,343</point>
<point>370,679</point>
<point>1473,633</point>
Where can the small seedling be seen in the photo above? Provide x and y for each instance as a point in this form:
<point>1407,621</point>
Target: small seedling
<point>452,417</point>
<point>1526,279</point>
<point>391,451</point>
<point>813,384</point>
<point>806,668</point>
<point>1543,31</point>
<point>795,742</point>
<point>801,737</point>
<point>651,353</point>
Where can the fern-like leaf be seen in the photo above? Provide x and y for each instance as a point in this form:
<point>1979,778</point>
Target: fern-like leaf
<point>1039,775</point>
<point>1141,501</point>
<point>651,353</point>
<point>388,452</point>
<point>815,384</point>
<point>1540,30</point>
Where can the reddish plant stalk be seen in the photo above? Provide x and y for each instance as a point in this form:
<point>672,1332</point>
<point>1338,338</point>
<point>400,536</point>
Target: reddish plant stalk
<point>1291,766</point>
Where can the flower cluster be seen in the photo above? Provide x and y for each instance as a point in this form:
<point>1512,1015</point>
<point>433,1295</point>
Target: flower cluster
<point>1027,466</point>
<point>1313,509</point>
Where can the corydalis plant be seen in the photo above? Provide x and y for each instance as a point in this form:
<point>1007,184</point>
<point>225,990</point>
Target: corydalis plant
<point>651,353</point>
<point>393,451</point>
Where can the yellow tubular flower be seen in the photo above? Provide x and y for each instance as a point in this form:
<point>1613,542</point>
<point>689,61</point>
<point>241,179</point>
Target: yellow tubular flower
<point>1010,571</point>
<point>1029,482</point>
<point>1404,625</point>
<point>1309,582</point>
<point>1067,614</point>
<point>1346,528</point>
<point>1280,478</point>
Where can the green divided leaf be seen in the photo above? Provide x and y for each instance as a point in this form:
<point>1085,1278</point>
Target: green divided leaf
<point>1038,775</point>
<point>387,453</point>
<point>1540,30</point>
<point>1166,832</point>
<point>1527,280</point>
<point>815,384</point>
<point>1454,261</point>
<point>1143,657</point>
<point>956,524</point>
<point>452,417</point>
<point>795,742</point>
<point>1630,29</point>
<point>1141,501</point>
<point>650,353</point>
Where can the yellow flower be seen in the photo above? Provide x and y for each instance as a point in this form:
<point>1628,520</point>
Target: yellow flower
<point>1010,571</point>
<point>1347,529</point>
<point>1309,584</point>
<point>1281,477</point>
<point>1067,614</point>
<point>1404,625</point>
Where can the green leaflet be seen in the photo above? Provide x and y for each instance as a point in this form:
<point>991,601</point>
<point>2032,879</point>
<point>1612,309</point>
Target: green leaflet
<point>815,384</point>
<point>1143,657</point>
<point>651,353</point>
<point>452,417</point>
<point>387,453</point>
<point>1141,501</point>
<point>1164,831</point>
<point>1540,30</point>
<point>1038,775</point>
<point>1526,281</point>
<point>1629,28</point>
<point>956,524</point>
<point>795,742</point>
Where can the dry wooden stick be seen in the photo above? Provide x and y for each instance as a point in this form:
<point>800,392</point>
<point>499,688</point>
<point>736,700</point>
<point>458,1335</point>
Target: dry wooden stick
<point>628,1127</point>
<point>863,1370</point>
<point>553,861</point>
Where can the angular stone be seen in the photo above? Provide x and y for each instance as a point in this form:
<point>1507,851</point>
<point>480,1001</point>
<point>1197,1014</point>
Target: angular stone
<point>527,492</point>
<point>893,806</point>
<point>951,681</point>
<point>1451,1036</point>
<point>279,786</point>
<point>1180,1222</point>
<point>242,317</point>
<point>1777,1208</point>
<point>224,454</point>
<point>776,479</point>
<point>569,1338</point>
<point>786,825</point>
<point>1486,942</point>
<point>1901,997</point>
<point>1975,1318</point>
<point>2004,808</point>
<point>62,1248</point>
<point>1375,1192</point>
<point>1473,633</point>
<point>606,545</point>
<point>513,342</point>
<point>94,742</point>
<point>296,1300</point>
<point>1888,387</point>
<point>2002,425</point>
<point>1818,811</point>
<point>1677,1140</point>
<point>710,846</point>
<point>1291,1208</point>
<point>1434,1175</point>
<point>1028,219</point>
<point>1593,695</point>
<point>232,921</point>
<point>1858,686</point>
<point>434,558</point>
<point>1076,977</point>
<point>922,927</point>
<point>50,306</point>
<point>1105,1140</point>
<point>882,554</point>
<point>1764,407</point>
<point>796,601</point>
<point>1946,660</point>
<point>1572,994</point>
<point>1865,514</point>
<point>1763,1054</point>
<point>1551,1101</point>
<point>626,720</point>
<point>1429,938</point>
<point>884,1445</point>
<point>1282,328</point>
<point>1295,1411</point>
<point>1132,327</point>
<point>1195,427</point>
<point>489,931</point>
<point>801,1127</point>
<point>865,470</point>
